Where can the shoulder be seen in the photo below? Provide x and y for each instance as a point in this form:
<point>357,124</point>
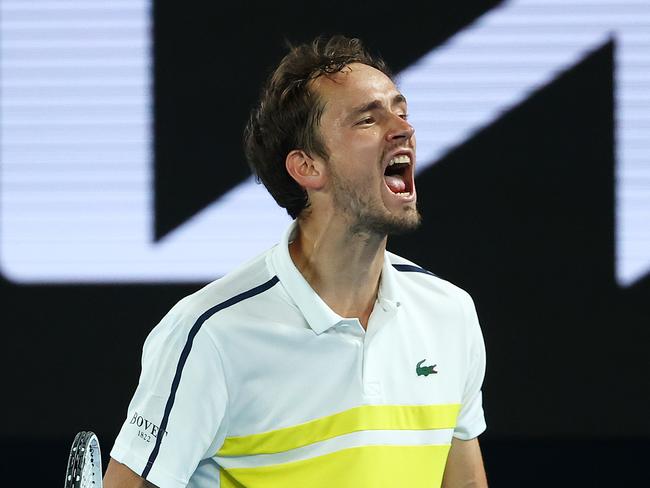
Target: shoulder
<point>417,276</point>
<point>428,292</point>
<point>247,282</point>
<point>433,297</point>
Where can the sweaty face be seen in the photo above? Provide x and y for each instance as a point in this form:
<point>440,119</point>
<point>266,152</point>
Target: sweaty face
<point>371,151</point>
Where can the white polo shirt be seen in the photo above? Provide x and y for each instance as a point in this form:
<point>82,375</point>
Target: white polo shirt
<point>254,381</point>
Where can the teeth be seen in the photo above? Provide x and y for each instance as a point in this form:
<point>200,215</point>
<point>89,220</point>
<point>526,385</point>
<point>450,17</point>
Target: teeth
<point>401,159</point>
<point>403,194</point>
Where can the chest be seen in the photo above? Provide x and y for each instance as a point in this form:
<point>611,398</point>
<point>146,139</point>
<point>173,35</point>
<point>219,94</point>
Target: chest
<point>282,376</point>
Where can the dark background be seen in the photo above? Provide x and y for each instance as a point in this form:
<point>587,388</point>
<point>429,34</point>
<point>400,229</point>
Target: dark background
<point>521,216</point>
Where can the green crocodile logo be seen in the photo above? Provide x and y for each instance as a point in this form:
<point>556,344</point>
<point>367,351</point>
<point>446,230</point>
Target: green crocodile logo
<point>425,370</point>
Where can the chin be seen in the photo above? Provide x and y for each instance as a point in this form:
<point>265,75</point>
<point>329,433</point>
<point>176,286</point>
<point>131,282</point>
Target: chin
<point>408,224</point>
<point>389,225</point>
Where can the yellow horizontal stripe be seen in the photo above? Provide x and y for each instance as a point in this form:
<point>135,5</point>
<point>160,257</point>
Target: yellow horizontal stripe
<point>365,417</point>
<point>358,467</point>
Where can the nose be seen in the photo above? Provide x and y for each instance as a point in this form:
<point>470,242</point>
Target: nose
<point>399,129</point>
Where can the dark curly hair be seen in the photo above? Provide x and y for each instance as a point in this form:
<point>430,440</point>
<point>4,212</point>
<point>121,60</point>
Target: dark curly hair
<point>289,112</point>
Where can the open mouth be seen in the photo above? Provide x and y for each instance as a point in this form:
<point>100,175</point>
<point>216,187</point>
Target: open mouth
<point>398,175</point>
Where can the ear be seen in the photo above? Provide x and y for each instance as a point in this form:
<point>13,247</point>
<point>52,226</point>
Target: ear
<point>307,172</point>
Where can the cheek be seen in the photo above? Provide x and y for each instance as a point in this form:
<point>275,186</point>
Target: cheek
<point>365,148</point>
<point>356,154</point>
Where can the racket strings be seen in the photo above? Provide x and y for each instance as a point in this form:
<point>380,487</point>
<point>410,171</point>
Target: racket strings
<point>84,464</point>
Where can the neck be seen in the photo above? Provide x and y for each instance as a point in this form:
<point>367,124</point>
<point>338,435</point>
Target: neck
<point>343,268</point>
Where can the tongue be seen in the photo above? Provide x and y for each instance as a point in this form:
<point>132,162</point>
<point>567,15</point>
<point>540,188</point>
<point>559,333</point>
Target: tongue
<point>395,183</point>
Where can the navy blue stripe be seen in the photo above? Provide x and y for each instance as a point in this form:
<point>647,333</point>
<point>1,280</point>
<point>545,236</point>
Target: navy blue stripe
<point>412,269</point>
<point>186,352</point>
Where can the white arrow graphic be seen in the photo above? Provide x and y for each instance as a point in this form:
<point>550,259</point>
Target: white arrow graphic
<point>76,160</point>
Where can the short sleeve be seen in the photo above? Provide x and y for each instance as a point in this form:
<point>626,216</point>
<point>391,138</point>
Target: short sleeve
<point>471,419</point>
<point>176,416</point>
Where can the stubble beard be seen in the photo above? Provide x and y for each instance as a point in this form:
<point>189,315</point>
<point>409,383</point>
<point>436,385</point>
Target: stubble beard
<point>368,217</point>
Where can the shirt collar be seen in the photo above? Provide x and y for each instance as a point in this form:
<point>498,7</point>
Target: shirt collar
<point>318,314</point>
<point>388,289</point>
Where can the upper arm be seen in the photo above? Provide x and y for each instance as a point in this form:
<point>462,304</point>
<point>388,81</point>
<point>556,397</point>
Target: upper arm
<point>119,475</point>
<point>471,420</point>
<point>176,416</point>
<point>464,467</point>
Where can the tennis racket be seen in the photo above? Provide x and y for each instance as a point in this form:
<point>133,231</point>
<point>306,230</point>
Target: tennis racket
<point>84,463</point>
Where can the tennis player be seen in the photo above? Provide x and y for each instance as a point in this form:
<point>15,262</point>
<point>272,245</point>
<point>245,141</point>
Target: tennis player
<point>327,361</point>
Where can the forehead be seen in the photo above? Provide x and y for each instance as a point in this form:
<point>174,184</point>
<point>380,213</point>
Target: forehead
<point>356,84</point>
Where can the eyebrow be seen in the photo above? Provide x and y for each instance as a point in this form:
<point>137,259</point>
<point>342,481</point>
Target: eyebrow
<point>376,104</point>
